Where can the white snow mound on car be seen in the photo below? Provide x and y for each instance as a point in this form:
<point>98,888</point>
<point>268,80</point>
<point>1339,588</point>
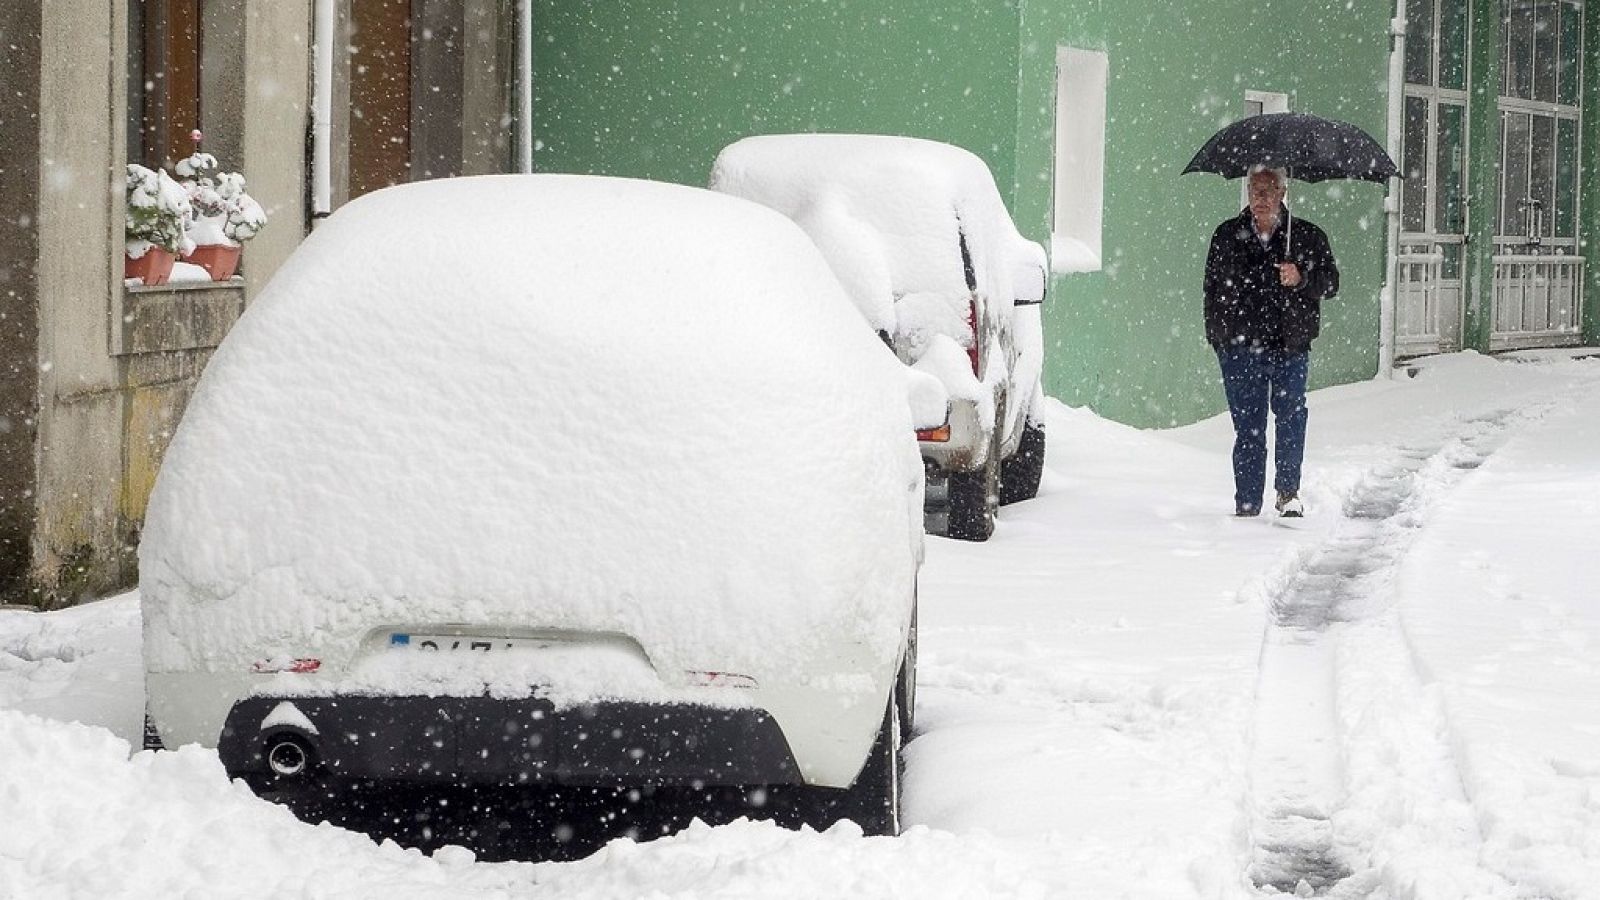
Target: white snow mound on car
<point>886,210</point>
<point>891,215</point>
<point>611,405</point>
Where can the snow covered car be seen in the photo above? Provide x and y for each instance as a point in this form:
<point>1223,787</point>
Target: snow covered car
<point>501,481</point>
<point>918,235</point>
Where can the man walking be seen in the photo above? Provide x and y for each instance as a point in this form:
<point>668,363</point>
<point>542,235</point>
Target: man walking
<point>1266,278</point>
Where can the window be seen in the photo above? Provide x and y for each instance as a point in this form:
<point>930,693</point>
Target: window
<point>1433,210</point>
<point>425,90</point>
<point>164,45</point>
<point>1258,102</point>
<point>1540,123</point>
<point>1081,77</point>
<point>1540,46</point>
<point>185,70</point>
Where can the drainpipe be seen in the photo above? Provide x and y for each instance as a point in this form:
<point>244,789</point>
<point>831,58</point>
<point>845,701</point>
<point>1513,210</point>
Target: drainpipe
<point>524,85</point>
<point>322,111</point>
<point>1391,201</point>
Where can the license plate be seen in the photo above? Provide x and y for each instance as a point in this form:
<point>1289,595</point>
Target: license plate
<point>463,643</point>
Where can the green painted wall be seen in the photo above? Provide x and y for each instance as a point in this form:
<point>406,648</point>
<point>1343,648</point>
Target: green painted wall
<point>654,90</point>
<point>1129,341</point>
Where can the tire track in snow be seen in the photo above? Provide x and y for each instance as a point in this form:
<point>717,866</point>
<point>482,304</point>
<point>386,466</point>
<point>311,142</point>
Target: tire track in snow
<point>1337,684</point>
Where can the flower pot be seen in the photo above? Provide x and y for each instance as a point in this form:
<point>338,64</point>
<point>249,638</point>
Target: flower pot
<point>220,260</point>
<point>153,267</point>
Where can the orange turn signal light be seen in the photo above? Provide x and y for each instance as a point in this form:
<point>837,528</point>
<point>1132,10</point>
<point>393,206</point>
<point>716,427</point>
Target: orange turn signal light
<point>937,435</point>
<point>279,664</point>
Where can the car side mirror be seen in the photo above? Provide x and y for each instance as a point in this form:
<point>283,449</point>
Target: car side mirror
<point>1030,283</point>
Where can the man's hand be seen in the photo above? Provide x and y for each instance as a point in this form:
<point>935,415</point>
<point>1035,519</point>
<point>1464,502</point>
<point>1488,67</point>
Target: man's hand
<point>1289,274</point>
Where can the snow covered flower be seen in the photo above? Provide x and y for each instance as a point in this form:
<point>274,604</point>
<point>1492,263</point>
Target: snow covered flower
<point>223,212</point>
<point>245,217</point>
<point>158,213</point>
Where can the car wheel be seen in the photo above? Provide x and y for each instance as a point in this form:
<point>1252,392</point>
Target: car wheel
<point>1020,475</point>
<point>974,498</point>
<point>970,516</point>
<point>873,801</point>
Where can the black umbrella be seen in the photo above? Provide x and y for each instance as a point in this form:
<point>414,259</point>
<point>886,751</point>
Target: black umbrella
<point>1310,147</point>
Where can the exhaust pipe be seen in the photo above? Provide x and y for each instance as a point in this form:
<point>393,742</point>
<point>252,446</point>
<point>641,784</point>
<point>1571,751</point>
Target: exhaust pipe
<point>288,757</point>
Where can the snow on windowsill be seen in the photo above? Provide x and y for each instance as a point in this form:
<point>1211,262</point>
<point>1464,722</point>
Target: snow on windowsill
<point>182,279</point>
<point>1070,256</point>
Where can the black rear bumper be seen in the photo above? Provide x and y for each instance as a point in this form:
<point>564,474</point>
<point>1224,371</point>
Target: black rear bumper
<point>480,740</point>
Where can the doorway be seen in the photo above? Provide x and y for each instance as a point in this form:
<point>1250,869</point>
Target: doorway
<point>1538,270</point>
<point>380,95</point>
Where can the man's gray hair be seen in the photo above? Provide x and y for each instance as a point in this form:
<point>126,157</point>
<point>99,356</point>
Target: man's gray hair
<point>1280,176</point>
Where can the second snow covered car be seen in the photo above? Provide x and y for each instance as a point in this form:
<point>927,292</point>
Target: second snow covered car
<point>500,482</point>
<point>918,235</point>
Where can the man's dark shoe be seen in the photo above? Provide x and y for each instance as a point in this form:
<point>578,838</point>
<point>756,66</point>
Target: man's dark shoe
<point>1245,512</point>
<point>1289,505</point>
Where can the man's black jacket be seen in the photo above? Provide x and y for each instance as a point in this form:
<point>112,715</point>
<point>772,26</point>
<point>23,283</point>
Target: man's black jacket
<point>1246,303</point>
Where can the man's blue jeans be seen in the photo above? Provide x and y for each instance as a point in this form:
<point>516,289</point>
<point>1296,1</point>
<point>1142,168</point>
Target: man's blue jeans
<point>1255,379</point>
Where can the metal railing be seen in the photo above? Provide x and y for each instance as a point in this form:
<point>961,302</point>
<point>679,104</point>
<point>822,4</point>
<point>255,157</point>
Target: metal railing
<point>1538,301</point>
<point>1417,319</point>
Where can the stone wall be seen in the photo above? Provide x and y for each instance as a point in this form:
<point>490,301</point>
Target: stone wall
<point>19,295</point>
<point>110,368</point>
<point>169,335</point>
<point>77,547</point>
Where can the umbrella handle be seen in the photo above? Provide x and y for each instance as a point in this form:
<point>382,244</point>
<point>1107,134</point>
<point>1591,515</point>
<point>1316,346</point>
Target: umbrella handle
<point>1288,225</point>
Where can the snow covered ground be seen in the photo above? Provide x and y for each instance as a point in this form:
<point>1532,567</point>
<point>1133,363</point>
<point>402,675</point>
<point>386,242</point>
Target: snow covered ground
<point>1126,693</point>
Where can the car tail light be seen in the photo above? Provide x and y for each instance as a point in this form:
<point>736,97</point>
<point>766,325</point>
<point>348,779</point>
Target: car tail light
<point>937,435</point>
<point>721,679</point>
<point>972,323</point>
<point>298,666</point>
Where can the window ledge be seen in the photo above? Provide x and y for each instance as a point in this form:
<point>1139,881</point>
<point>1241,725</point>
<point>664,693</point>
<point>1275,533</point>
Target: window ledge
<point>135,286</point>
<point>186,315</point>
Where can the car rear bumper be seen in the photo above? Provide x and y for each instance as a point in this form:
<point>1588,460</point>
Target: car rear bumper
<point>481,740</point>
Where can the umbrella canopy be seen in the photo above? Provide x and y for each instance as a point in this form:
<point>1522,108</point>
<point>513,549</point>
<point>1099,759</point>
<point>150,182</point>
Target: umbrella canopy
<point>1310,147</point>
